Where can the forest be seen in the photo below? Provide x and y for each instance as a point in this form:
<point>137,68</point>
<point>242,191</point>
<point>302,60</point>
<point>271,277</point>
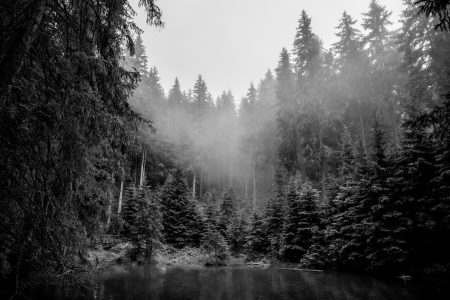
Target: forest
<point>337,159</point>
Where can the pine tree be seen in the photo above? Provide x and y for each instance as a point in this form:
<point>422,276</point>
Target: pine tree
<point>252,95</point>
<point>143,220</point>
<point>275,214</point>
<point>386,225</point>
<point>225,103</point>
<point>200,98</point>
<point>375,22</point>
<point>238,231</point>
<point>349,45</point>
<point>175,98</point>
<point>139,60</point>
<point>216,246</point>
<point>182,224</point>
<point>301,219</point>
<point>287,114</point>
<point>257,241</point>
<point>212,213</point>
<point>227,213</point>
<point>155,90</point>
<point>307,50</point>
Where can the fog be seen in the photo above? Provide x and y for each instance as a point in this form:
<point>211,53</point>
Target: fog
<point>295,119</point>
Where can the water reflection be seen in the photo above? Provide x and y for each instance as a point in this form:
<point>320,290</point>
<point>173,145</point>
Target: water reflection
<point>141,282</point>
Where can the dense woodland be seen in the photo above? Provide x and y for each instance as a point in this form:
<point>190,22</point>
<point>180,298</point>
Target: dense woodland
<point>339,158</point>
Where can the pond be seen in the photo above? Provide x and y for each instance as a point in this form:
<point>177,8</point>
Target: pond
<point>143,282</point>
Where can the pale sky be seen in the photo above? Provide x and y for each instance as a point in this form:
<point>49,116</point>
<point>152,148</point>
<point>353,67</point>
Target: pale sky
<point>233,42</point>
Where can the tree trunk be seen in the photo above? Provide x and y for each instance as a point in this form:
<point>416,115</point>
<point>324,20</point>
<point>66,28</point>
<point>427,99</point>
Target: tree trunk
<point>109,207</point>
<point>200,188</point>
<point>193,185</point>
<point>142,177</point>
<point>119,206</point>
<point>363,131</point>
<point>322,163</point>
<point>394,123</point>
<point>246,186</point>
<point>230,174</point>
<point>254,187</point>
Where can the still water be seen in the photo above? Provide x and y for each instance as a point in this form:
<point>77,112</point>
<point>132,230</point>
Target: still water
<point>143,282</point>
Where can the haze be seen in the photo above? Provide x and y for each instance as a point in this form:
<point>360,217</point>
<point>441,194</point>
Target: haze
<point>232,43</point>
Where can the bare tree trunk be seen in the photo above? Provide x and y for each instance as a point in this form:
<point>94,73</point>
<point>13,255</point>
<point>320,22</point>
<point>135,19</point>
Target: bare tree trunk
<point>230,174</point>
<point>119,206</point>
<point>394,123</point>
<point>363,131</point>
<point>108,209</point>
<point>193,185</point>
<point>322,163</point>
<point>201,184</point>
<point>209,180</point>
<point>254,187</point>
<point>246,186</point>
<point>110,202</point>
<point>142,178</point>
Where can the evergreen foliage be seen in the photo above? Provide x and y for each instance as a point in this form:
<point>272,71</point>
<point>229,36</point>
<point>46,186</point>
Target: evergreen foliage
<point>143,220</point>
<point>182,224</point>
<point>301,219</point>
<point>227,213</point>
<point>257,241</point>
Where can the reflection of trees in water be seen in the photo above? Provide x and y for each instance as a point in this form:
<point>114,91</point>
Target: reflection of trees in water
<point>241,283</point>
<point>348,287</point>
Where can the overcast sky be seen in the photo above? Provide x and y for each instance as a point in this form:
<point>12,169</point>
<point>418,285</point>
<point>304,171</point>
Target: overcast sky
<point>233,42</point>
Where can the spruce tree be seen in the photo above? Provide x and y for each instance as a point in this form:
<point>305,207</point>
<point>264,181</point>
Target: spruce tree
<point>275,214</point>
<point>227,213</point>
<point>301,219</point>
<point>182,224</point>
<point>386,225</point>
<point>238,232</point>
<point>307,50</point>
<point>375,22</point>
<point>143,219</point>
<point>200,98</point>
<point>175,98</point>
<point>287,114</point>
<point>257,241</point>
<point>139,61</point>
<point>349,45</point>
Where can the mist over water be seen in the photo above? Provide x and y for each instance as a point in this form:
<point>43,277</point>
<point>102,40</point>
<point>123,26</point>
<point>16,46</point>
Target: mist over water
<point>142,282</point>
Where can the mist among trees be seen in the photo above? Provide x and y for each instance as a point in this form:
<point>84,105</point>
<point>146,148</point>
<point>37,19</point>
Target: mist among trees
<point>337,158</point>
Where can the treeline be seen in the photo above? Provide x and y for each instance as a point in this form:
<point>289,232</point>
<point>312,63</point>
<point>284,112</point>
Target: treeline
<point>342,154</point>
